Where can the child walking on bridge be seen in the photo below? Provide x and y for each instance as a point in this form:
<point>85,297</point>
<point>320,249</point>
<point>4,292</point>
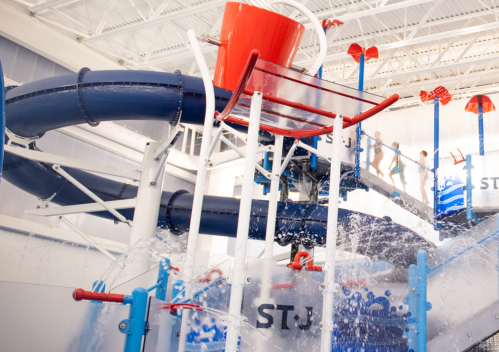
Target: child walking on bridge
<point>399,167</point>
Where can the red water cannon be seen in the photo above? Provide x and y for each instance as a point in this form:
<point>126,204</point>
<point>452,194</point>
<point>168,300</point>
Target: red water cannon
<point>80,294</point>
<point>355,50</point>
<point>440,92</point>
<point>297,264</point>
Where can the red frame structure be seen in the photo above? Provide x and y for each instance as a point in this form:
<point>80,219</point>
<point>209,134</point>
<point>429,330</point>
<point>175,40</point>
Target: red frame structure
<point>241,89</point>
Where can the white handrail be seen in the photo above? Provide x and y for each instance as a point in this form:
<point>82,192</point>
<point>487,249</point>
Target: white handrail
<point>197,202</point>
<point>320,32</point>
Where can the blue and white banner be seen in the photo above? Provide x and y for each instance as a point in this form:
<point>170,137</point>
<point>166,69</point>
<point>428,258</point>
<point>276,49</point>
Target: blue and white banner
<point>450,193</point>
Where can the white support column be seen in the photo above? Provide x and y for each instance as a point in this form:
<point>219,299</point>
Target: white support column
<point>274,194</point>
<point>331,235</point>
<point>145,217</point>
<point>236,295</point>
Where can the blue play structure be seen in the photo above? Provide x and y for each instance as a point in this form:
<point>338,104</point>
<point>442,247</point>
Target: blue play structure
<point>93,97</point>
<point>392,289</point>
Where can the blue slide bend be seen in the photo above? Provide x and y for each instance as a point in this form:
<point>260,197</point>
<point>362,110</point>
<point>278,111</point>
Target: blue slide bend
<point>92,97</point>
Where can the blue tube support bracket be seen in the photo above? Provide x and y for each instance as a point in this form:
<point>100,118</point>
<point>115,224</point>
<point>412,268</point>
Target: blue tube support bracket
<point>480,128</point>
<point>436,135</point>
<point>135,325</point>
<point>412,302</point>
<point>266,161</point>
<point>358,128</point>
<point>163,273</point>
<point>468,188</point>
<point>423,305</point>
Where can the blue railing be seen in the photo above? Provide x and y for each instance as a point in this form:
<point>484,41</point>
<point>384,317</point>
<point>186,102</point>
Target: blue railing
<point>418,305</point>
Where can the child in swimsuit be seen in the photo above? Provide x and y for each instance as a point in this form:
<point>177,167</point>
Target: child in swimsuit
<point>399,167</point>
<point>378,154</point>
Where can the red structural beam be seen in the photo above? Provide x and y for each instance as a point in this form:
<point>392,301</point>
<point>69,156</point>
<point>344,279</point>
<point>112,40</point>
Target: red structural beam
<point>241,85</point>
<point>320,131</point>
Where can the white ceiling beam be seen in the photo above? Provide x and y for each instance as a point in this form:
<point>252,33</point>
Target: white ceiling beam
<point>430,69</point>
<point>414,57</point>
<point>104,18</point>
<point>424,19</point>
<point>48,42</point>
<point>449,45</point>
<point>167,59</point>
<point>44,6</point>
<point>438,81</point>
<point>468,47</point>
<point>365,13</point>
<point>413,41</point>
<point>395,31</point>
<point>168,17</point>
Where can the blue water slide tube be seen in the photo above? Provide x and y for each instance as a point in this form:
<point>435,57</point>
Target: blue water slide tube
<point>93,97</point>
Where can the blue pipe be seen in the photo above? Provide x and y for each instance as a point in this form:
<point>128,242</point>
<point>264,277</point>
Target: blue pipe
<point>163,273</point>
<point>313,160</point>
<point>469,188</point>
<point>358,129</point>
<point>412,301</point>
<point>422,305</point>
<point>480,125</point>
<point>138,307</point>
<point>2,117</point>
<point>436,136</point>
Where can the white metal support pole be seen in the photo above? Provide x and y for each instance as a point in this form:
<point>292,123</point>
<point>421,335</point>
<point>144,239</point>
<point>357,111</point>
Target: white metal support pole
<point>215,141</point>
<point>145,217</point>
<point>88,192</point>
<point>274,193</point>
<point>289,156</point>
<point>331,235</point>
<point>193,141</point>
<point>89,239</point>
<point>197,202</point>
<point>236,295</point>
<point>209,118</point>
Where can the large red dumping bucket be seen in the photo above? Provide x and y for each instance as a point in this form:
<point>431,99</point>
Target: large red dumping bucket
<point>247,27</point>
